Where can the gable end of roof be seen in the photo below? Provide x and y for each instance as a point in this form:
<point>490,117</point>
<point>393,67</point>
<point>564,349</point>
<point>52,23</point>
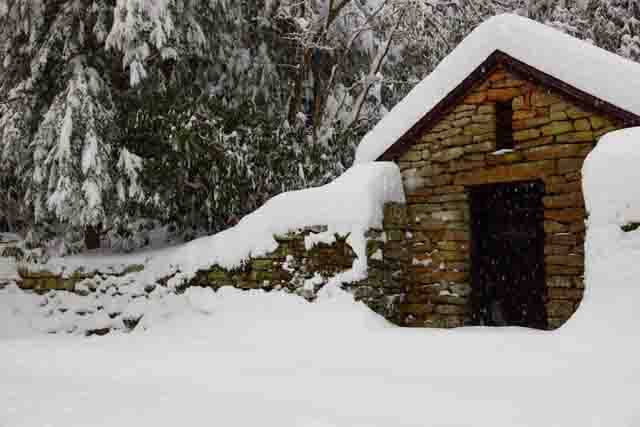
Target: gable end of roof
<point>515,66</point>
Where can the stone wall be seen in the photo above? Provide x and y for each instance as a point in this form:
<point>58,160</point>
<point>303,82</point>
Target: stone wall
<point>292,267</point>
<point>552,137</point>
<point>42,281</point>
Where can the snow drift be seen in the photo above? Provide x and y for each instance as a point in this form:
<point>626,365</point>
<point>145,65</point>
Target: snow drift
<point>611,177</point>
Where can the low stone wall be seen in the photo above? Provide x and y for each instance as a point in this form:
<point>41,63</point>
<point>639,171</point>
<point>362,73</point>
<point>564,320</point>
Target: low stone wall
<point>43,281</point>
<point>294,268</point>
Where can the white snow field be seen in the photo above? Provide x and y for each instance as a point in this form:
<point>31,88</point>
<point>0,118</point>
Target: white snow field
<point>575,62</point>
<point>237,358</point>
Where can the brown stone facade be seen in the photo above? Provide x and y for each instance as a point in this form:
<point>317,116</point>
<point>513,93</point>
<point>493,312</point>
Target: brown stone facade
<point>551,139</point>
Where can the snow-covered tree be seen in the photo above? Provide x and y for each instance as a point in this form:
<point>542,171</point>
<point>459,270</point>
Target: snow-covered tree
<point>193,112</point>
<point>66,67</point>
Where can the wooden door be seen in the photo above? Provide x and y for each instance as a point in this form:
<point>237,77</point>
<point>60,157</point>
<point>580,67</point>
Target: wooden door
<point>507,254</point>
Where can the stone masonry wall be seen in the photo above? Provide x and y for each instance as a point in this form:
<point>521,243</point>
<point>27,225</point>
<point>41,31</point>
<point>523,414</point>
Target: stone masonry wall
<point>290,268</point>
<point>294,268</point>
<point>551,137</point>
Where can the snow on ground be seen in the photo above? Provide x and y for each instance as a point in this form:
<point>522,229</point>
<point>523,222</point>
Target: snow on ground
<point>273,359</point>
<point>236,358</point>
<point>583,66</point>
<point>8,269</point>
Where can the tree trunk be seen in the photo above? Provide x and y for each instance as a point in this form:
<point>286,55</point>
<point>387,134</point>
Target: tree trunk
<point>92,235</point>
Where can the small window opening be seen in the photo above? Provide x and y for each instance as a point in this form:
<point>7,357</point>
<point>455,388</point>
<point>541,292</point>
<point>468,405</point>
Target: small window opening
<point>504,126</point>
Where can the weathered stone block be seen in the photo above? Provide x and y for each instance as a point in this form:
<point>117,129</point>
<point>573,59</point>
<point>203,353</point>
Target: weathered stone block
<point>482,118</point>
<point>530,123</point>
<point>507,83</point>
<point>520,171</point>
<point>480,147</point>
<point>447,155</point>
<point>490,136</point>
<point>582,124</point>
<point>577,113</point>
<point>562,309</point>
<point>447,216</point>
<point>520,103</point>
<point>598,122</point>
<point>564,215</point>
<point>444,179</point>
<point>461,122</point>
<point>523,115</point>
<point>554,227</point>
<point>582,136</point>
<point>395,214</point>
<point>544,99</point>
<point>476,129</point>
<point>412,156</point>
<point>458,140</point>
<point>563,201</point>
<point>464,107</point>
<point>569,165</point>
<point>557,128</point>
<point>261,264</point>
<point>527,134</point>
<point>556,151</point>
<point>450,309</point>
<point>503,95</point>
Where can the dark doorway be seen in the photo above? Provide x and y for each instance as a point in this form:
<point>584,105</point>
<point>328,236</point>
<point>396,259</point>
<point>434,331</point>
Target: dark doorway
<point>507,254</point>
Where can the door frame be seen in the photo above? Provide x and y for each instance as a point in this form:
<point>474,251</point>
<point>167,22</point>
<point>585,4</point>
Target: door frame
<point>479,290</point>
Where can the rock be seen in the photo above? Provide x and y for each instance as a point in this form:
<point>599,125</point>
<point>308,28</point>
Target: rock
<point>447,155</point>
<point>598,122</point>
<point>476,98</point>
<point>582,124</point>
<point>502,95</point>
<point>557,128</point>
<point>524,135</point>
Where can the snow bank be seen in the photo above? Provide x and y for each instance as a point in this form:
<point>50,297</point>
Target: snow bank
<point>351,204</point>
<point>273,359</point>
<point>611,177</point>
<point>573,61</point>
<point>611,174</point>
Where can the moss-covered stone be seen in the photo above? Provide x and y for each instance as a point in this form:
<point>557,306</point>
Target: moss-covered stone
<point>215,276</point>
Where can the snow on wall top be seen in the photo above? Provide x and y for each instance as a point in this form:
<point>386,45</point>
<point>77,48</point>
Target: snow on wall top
<point>352,203</point>
<point>576,62</point>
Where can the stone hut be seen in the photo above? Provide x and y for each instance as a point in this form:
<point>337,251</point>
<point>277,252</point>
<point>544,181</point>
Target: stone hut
<point>490,147</point>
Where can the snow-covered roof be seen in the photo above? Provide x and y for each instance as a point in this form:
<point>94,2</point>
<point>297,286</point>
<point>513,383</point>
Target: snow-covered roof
<point>592,70</point>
